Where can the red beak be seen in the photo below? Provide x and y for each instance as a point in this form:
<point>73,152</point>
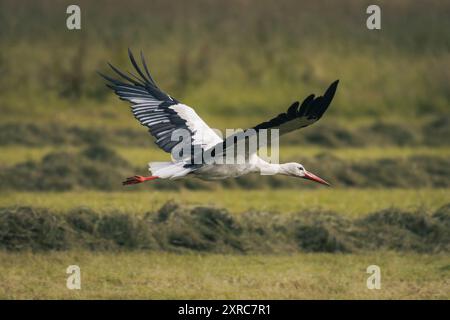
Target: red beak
<point>313,177</point>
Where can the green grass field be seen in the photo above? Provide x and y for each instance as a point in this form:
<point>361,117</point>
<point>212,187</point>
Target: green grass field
<point>349,202</point>
<point>139,275</point>
<point>162,275</point>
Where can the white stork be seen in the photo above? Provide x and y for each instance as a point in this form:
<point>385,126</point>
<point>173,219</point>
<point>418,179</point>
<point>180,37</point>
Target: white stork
<point>163,114</point>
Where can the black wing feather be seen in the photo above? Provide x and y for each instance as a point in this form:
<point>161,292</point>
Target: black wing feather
<point>146,71</point>
<point>311,110</point>
<point>136,67</point>
<point>297,116</point>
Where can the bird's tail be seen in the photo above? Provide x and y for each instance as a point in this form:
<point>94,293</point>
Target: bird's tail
<point>168,170</point>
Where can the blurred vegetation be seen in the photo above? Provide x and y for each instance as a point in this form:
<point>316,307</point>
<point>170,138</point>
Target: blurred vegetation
<point>235,57</point>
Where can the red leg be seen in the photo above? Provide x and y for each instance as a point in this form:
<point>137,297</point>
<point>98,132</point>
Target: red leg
<point>138,179</point>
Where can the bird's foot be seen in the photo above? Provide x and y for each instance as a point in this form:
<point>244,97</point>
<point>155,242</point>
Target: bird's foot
<point>138,179</point>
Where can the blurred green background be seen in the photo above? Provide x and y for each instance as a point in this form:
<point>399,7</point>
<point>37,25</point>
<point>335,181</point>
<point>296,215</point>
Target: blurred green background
<point>67,141</point>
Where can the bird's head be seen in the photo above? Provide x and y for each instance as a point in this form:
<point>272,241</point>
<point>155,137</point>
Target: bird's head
<point>297,170</point>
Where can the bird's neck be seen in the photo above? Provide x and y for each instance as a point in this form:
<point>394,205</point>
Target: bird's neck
<point>268,169</point>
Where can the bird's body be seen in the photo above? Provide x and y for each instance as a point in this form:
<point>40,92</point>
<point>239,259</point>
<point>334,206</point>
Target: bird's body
<point>224,171</point>
<point>165,117</point>
<point>177,169</point>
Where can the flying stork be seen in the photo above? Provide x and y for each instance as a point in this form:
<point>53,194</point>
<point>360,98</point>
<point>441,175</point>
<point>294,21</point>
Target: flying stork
<point>163,114</point>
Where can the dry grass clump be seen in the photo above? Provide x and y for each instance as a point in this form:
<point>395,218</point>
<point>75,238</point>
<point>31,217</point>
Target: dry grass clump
<point>178,228</point>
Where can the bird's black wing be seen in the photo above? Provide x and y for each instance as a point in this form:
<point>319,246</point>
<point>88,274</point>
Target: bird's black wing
<point>300,116</point>
<point>297,116</point>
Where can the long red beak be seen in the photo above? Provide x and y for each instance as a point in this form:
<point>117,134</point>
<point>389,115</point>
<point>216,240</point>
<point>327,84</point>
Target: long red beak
<point>313,177</point>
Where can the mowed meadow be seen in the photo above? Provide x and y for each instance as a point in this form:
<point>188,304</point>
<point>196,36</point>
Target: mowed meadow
<point>67,142</point>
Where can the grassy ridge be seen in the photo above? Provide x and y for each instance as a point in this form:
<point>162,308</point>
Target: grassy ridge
<point>211,229</point>
<point>425,132</point>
